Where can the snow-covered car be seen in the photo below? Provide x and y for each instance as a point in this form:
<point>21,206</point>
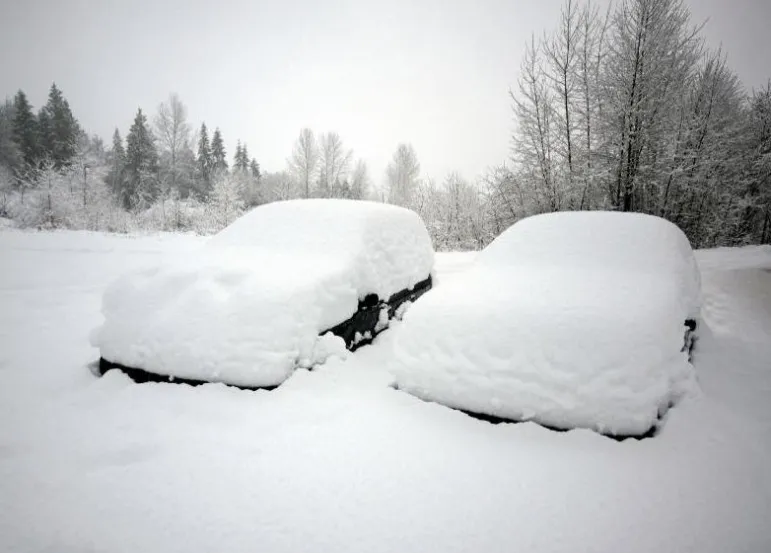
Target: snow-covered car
<point>285,286</point>
<point>576,319</point>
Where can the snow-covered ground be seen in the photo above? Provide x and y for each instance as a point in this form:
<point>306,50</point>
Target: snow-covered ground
<point>336,460</point>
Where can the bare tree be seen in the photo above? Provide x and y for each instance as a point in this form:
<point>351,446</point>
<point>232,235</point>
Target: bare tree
<point>654,51</point>
<point>532,149</point>
<point>280,186</point>
<point>173,133</point>
<point>334,162</point>
<point>360,181</point>
<point>592,49</point>
<point>403,172</point>
<point>304,160</point>
<point>562,56</point>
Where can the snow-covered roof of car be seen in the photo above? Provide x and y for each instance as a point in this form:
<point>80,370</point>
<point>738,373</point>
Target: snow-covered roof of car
<point>570,319</point>
<point>249,308</point>
<point>613,241</point>
<point>387,247</point>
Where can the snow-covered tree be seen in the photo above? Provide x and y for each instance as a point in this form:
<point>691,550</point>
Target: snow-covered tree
<point>241,158</point>
<point>59,131</point>
<point>141,170</point>
<point>204,162</point>
<point>304,161</point>
<point>10,155</point>
<point>218,154</point>
<point>227,202</point>
<point>532,143</point>
<point>403,172</point>
<point>653,55</point>
<point>117,164</point>
<point>254,169</point>
<point>360,181</point>
<point>333,167</point>
<point>25,133</point>
<point>176,166</point>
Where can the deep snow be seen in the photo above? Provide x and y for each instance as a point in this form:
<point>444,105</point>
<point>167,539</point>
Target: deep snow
<point>336,460</point>
<point>572,319</point>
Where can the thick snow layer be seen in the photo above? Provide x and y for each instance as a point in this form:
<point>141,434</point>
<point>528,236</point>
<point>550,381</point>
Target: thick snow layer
<point>611,241</point>
<point>561,322</point>
<point>385,248</point>
<point>249,307</point>
<point>336,460</point>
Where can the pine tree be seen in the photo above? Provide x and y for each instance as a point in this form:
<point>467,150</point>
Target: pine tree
<point>241,158</point>
<point>141,164</point>
<point>237,156</point>
<point>25,130</point>
<point>204,162</point>
<point>219,161</point>
<point>44,136</point>
<point>10,157</point>
<point>59,131</point>
<point>117,167</point>
<point>254,167</point>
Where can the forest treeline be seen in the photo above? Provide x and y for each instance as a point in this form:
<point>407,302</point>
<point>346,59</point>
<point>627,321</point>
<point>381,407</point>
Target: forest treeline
<point>625,109</point>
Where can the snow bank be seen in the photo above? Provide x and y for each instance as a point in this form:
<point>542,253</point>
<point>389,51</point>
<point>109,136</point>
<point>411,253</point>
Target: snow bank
<point>570,319</point>
<point>249,308</point>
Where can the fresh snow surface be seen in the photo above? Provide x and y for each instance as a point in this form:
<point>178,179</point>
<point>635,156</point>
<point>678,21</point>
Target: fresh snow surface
<point>336,460</point>
<point>248,307</point>
<point>568,319</point>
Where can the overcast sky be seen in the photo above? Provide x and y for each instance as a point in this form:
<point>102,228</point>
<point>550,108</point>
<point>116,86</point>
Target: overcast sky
<point>432,73</point>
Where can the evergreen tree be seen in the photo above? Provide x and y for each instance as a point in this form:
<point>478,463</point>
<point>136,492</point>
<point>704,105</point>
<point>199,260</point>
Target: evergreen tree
<point>237,156</point>
<point>44,135</point>
<point>25,130</point>
<point>204,161</point>
<point>219,161</point>
<point>10,157</point>
<point>141,184</point>
<point>117,166</point>
<point>241,158</point>
<point>254,167</point>
<point>59,131</point>
<point>244,162</point>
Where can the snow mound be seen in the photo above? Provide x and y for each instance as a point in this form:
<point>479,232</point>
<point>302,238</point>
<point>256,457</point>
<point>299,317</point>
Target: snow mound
<point>249,308</point>
<point>569,319</point>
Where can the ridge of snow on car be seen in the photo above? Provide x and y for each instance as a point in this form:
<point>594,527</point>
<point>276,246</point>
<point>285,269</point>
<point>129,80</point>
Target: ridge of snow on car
<point>567,319</point>
<point>285,286</point>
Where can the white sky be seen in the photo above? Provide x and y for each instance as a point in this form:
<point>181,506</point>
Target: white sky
<point>432,73</point>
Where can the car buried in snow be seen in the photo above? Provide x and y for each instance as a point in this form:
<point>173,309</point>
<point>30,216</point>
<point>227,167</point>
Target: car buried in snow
<point>570,320</point>
<point>284,287</point>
